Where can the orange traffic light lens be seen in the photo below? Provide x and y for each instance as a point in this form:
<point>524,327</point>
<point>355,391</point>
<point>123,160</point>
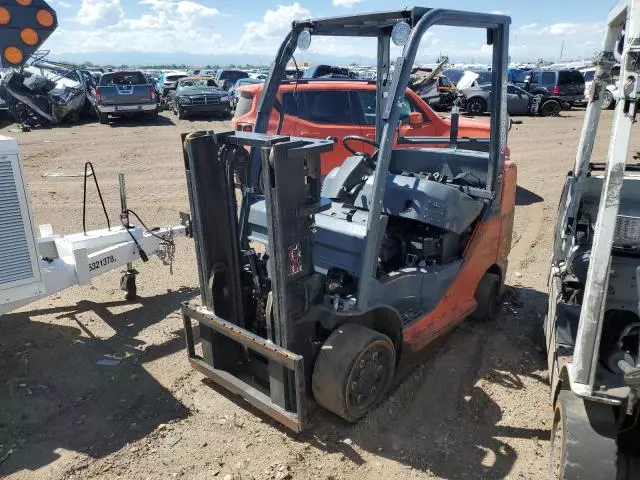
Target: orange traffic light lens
<point>44,18</point>
<point>29,36</point>
<point>13,55</point>
<point>24,3</point>
<point>5,16</point>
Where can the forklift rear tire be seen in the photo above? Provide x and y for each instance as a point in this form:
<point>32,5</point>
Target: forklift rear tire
<point>353,370</point>
<point>487,296</point>
<point>583,440</point>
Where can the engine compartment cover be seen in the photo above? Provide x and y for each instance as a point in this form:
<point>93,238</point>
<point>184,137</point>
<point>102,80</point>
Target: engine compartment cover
<point>426,201</point>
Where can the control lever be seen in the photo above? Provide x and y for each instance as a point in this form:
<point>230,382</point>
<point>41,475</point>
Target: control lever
<point>453,131</point>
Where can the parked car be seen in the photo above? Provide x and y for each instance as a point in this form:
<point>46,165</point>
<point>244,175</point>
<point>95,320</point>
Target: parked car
<point>608,98</point>
<point>235,94</point>
<point>337,108</point>
<point>200,95</point>
<point>228,78</point>
<point>476,100</point>
<point>169,81</point>
<point>125,93</point>
<point>565,85</point>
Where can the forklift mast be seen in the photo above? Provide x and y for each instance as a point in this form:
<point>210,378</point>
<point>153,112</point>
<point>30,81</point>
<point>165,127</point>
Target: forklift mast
<point>623,23</point>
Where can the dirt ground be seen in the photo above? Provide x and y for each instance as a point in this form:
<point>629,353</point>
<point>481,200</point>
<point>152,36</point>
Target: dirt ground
<point>474,406</point>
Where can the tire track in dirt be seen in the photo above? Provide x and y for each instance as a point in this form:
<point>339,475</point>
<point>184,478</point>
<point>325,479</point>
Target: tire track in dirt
<point>530,226</point>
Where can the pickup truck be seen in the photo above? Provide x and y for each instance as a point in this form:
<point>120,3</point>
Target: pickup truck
<point>125,93</point>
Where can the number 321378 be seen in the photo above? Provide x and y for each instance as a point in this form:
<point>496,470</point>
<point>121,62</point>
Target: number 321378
<point>103,262</point>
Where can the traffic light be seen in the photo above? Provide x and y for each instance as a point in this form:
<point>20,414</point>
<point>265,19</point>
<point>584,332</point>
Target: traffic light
<point>24,26</point>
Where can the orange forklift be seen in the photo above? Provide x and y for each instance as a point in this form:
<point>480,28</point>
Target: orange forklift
<point>313,287</point>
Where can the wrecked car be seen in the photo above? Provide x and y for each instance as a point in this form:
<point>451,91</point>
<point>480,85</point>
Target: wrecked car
<point>45,94</point>
<point>433,86</point>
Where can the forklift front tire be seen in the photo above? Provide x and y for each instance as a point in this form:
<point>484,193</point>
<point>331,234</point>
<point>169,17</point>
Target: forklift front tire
<point>487,296</point>
<point>353,370</point>
<point>583,440</point>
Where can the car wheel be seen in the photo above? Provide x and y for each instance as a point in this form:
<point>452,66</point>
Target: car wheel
<point>102,118</point>
<point>607,101</point>
<point>550,108</point>
<point>180,114</point>
<point>476,106</point>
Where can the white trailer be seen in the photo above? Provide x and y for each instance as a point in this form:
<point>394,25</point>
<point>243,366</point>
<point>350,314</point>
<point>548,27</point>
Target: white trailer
<point>32,268</point>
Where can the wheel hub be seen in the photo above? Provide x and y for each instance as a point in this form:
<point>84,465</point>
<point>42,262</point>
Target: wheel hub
<point>368,377</point>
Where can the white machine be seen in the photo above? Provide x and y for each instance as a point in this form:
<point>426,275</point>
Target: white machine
<point>32,268</point>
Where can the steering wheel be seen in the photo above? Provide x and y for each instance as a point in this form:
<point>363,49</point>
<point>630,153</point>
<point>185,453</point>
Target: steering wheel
<point>370,159</point>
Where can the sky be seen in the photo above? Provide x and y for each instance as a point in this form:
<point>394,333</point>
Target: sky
<point>538,30</point>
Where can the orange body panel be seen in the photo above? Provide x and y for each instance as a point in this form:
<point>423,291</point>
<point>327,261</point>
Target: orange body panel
<point>434,125</point>
<point>489,245</point>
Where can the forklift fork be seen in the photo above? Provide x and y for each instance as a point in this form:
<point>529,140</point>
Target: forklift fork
<point>267,368</point>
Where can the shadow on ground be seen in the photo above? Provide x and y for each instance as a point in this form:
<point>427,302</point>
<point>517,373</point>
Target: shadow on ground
<point>526,197</point>
<point>55,394</point>
<point>140,121</point>
<point>440,416</point>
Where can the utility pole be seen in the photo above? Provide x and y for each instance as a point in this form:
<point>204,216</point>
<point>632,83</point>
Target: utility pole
<point>561,49</point>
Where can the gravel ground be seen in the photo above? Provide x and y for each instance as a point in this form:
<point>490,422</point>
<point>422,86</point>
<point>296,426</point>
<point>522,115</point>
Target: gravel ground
<point>473,406</point>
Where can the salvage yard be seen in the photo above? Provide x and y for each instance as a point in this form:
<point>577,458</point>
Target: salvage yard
<point>92,386</point>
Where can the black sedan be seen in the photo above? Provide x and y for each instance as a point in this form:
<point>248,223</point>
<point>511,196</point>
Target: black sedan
<point>200,95</point>
<point>475,100</point>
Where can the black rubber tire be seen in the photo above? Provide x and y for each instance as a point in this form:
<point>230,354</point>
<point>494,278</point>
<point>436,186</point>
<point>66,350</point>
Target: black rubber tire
<point>476,106</point>
<point>153,116</point>
<point>577,450</point>
<point>487,296</point>
<point>350,356</point>
<point>180,114</point>
<point>550,108</point>
<point>103,118</point>
<point>607,100</point>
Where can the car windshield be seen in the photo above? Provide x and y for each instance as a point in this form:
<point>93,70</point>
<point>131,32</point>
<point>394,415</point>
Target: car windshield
<point>173,78</point>
<point>197,82</point>
<point>571,76</point>
<point>248,81</point>
<point>454,75</point>
<point>123,78</point>
<point>233,75</point>
<point>484,76</point>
